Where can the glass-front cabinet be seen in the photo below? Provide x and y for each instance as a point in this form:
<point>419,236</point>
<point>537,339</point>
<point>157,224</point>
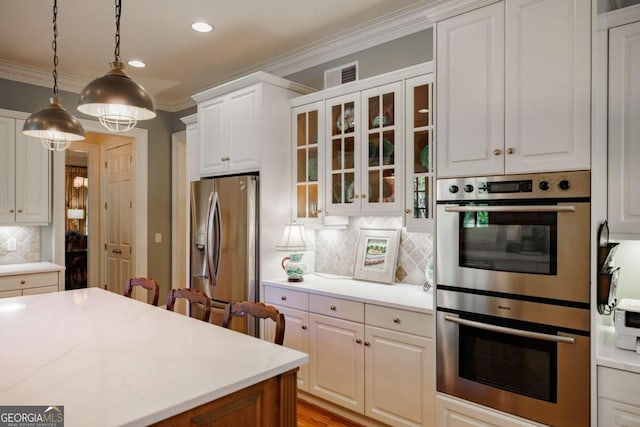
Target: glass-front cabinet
<point>419,137</point>
<point>365,151</point>
<point>308,161</point>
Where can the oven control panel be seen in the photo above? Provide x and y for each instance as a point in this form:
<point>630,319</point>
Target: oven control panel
<point>554,185</point>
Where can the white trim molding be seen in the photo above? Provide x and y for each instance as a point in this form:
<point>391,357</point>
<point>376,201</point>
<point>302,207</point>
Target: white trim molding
<point>618,17</point>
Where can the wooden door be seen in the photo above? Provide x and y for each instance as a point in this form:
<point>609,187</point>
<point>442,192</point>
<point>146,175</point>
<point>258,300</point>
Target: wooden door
<point>624,129</point>
<point>7,170</point>
<point>242,138</point>
<point>470,93</point>
<point>337,361</point>
<point>118,214</point>
<point>33,192</point>
<point>399,378</point>
<point>548,85</point>
<point>211,119</point>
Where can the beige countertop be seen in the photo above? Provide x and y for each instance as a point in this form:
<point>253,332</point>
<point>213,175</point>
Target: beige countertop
<point>29,268</point>
<point>607,354</point>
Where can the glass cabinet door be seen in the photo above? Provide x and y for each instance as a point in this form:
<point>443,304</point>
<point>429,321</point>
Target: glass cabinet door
<point>308,161</point>
<point>342,194</point>
<point>382,159</point>
<point>420,172</point>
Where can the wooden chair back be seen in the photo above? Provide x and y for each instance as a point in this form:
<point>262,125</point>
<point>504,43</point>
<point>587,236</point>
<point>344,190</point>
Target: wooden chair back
<point>146,283</point>
<point>194,297</point>
<point>257,310</point>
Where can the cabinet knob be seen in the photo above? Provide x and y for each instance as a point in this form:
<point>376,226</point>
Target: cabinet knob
<point>22,282</point>
<point>396,320</point>
<point>333,308</point>
<point>497,152</point>
<point>227,158</point>
<point>407,211</point>
<point>222,159</point>
<point>355,196</point>
<point>304,327</point>
<point>367,344</point>
<point>358,341</point>
<point>319,211</point>
<point>363,196</point>
<point>11,211</point>
<point>19,210</point>
<point>510,150</point>
<point>283,298</point>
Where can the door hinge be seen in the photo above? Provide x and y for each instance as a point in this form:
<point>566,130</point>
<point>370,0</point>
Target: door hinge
<point>105,205</point>
<point>130,204</point>
<point>105,246</point>
<point>105,166</point>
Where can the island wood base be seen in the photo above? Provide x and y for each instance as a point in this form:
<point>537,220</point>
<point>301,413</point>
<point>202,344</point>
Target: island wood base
<point>269,403</point>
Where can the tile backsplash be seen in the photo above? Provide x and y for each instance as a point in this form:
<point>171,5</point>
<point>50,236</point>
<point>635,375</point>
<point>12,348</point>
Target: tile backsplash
<point>335,250</point>
<point>27,244</point>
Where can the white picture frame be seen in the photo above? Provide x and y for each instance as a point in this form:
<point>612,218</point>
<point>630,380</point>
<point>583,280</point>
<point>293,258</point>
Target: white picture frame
<point>377,254</point>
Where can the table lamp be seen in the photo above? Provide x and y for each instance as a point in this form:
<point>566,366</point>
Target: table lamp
<point>76,215</point>
<point>293,241</point>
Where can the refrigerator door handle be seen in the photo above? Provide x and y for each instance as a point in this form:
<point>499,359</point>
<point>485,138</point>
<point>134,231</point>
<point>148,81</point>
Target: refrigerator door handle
<point>213,246</point>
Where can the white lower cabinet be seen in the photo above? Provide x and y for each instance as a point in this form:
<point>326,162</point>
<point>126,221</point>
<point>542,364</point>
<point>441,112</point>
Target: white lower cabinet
<point>618,398</point>
<point>456,413</point>
<point>373,360</point>
<point>28,284</point>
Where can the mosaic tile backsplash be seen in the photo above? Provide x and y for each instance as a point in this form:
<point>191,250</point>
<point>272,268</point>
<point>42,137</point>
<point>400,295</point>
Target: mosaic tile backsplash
<point>27,245</point>
<point>335,250</point>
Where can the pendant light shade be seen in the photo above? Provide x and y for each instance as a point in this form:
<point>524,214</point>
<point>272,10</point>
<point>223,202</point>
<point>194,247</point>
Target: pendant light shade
<point>115,98</point>
<point>53,125</point>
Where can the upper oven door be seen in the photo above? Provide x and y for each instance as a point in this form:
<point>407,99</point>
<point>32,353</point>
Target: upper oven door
<point>524,248</point>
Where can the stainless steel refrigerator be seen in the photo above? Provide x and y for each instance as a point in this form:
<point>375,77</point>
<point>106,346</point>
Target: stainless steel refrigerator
<point>224,243</point>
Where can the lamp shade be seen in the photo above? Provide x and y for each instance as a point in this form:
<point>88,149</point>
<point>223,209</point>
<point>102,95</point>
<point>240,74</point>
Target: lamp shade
<point>292,239</point>
<point>54,126</point>
<point>75,213</point>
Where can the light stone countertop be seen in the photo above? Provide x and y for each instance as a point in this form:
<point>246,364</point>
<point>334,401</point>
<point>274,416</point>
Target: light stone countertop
<point>397,295</point>
<point>607,354</point>
<point>111,360</point>
<point>29,268</point>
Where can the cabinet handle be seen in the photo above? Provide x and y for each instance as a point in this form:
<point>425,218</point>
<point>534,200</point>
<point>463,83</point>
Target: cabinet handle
<point>497,152</point>
<point>367,344</point>
<point>227,158</point>
<point>19,210</point>
<point>283,298</point>
<point>22,282</point>
<point>355,196</point>
<point>510,150</point>
<point>222,159</point>
<point>358,341</point>
<point>333,308</point>
<point>396,320</point>
<point>363,196</point>
<point>11,211</point>
<point>407,211</point>
<point>304,327</point>
<point>319,211</point>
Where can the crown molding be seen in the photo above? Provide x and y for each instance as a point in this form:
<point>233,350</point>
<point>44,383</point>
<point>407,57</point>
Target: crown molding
<point>37,76</point>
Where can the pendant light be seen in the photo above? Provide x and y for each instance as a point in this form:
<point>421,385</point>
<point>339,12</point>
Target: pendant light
<point>54,125</point>
<point>115,98</point>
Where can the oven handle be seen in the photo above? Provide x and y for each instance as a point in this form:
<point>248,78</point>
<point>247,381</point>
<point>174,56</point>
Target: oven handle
<point>510,331</point>
<point>533,208</point>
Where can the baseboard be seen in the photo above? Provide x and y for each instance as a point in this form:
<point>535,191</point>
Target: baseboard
<point>345,413</point>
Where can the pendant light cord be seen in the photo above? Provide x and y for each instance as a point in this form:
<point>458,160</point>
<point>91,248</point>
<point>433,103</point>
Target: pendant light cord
<point>118,12</point>
<point>54,46</point>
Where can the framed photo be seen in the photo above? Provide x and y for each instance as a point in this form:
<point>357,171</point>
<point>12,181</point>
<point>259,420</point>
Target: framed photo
<point>377,254</point>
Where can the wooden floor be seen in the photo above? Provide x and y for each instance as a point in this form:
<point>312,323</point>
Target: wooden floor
<point>312,416</point>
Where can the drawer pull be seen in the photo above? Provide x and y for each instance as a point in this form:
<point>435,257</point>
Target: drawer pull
<point>283,298</point>
<point>367,344</point>
<point>304,327</point>
<point>358,341</point>
<point>22,282</point>
<point>396,320</point>
<point>333,308</point>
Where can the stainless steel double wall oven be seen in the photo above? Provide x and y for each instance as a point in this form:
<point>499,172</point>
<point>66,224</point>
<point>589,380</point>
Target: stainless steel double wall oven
<point>513,293</point>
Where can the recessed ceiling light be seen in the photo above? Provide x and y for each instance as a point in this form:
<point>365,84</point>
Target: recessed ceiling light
<point>201,27</point>
<point>136,63</point>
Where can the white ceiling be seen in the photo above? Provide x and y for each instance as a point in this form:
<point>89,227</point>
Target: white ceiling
<point>248,35</point>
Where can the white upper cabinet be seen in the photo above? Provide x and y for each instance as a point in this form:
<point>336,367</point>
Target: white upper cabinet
<point>624,129</point>
<point>513,94</point>
<point>470,93</point>
<point>547,88</point>
<point>25,194</point>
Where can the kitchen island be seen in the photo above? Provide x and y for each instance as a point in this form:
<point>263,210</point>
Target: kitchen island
<point>111,360</point>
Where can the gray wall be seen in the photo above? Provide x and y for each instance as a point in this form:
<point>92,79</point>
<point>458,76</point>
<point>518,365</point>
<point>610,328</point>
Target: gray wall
<point>29,98</point>
<point>400,53</point>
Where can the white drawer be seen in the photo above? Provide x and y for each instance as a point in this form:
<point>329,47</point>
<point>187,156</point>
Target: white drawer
<point>286,297</point>
<point>22,281</point>
<point>9,294</point>
<point>411,322</point>
<point>336,307</point>
<point>621,386</point>
<point>42,290</point>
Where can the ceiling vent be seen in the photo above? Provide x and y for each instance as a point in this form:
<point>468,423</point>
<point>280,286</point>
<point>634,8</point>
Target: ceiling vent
<point>341,75</point>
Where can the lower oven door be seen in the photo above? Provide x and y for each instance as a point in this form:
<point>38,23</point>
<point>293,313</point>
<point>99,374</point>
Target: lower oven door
<point>539,250</point>
<point>512,366</point>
